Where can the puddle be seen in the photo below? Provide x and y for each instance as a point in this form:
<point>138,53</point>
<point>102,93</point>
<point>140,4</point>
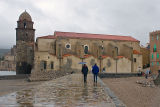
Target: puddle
<point>68,91</point>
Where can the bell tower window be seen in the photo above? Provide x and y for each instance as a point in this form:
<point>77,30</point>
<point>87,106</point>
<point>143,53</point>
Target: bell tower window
<point>24,24</point>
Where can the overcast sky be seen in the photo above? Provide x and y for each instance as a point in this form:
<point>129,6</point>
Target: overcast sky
<point>134,18</point>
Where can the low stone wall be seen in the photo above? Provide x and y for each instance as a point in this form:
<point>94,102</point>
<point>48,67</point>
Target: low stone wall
<point>48,75</point>
<point>11,77</point>
<point>118,75</point>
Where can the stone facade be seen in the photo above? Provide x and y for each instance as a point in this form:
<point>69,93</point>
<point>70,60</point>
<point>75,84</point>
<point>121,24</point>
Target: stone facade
<point>146,57</point>
<point>24,44</point>
<point>58,53</point>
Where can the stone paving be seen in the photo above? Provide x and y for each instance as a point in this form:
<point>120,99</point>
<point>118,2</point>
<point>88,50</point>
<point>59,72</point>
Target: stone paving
<point>67,91</point>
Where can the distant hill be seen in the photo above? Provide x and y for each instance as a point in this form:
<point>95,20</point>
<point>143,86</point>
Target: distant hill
<point>3,51</point>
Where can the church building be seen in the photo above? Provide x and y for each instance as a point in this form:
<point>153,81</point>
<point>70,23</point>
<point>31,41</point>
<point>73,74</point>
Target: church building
<point>65,50</point>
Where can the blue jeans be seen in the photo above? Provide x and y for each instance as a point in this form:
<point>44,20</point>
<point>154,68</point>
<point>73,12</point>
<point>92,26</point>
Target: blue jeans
<point>95,77</point>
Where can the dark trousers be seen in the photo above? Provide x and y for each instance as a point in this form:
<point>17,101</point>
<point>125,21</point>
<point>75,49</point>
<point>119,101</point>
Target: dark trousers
<point>85,77</point>
<point>146,76</point>
<point>95,77</point>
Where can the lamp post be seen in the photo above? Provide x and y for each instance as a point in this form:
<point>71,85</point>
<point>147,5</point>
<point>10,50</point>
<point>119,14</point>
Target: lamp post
<point>116,58</point>
<point>116,63</point>
<point>100,58</point>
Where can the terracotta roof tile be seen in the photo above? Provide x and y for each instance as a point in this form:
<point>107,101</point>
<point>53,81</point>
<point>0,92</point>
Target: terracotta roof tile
<point>86,56</point>
<point>65,55</point>
<point>94,36</point>
<point>104,56</point>
<point>48,37</point>
<point>120,57</point>
<point>136,52</point>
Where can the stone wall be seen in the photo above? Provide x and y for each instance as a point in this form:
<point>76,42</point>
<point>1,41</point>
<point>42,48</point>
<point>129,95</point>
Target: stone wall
<point>71,62</point>
<point>124,65</point>
<point>58,46</point>
<point>44,76</point>
<point>138,62</point>
<point>145,56</point>
<point>109,65</point>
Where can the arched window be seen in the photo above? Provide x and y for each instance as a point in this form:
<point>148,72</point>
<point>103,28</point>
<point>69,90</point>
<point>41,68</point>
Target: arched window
<point>24,24</point>
<point>86,49</point>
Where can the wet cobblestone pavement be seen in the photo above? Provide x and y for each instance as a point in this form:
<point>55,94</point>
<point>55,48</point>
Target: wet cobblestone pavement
<point>68,91</point>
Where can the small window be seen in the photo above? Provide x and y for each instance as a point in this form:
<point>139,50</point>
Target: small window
<point>158,63</point>
<point>157,56</point>
<point>152,64</point>
<point>86,49</point>
<point>48,57</point>
<point>102,47</point>
<point>52,65</point>
<point>152,56</point>
<point>134,59</point>
<point>68,46</point>
<point>155,48</point>
<point>157,37</point>
<point>152,37</point>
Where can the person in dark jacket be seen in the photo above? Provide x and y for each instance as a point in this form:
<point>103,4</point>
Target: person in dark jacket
<point>85,72</point>
<point>95,70</point>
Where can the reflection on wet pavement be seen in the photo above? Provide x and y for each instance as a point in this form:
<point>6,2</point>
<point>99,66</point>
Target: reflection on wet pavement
<point>68,91</point>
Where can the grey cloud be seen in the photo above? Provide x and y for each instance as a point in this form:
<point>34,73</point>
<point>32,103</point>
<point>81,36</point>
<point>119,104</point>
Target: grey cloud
<point>121,17</point>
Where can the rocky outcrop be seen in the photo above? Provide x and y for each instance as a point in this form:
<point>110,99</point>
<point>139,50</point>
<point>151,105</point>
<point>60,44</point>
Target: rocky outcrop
<point>157,80</point>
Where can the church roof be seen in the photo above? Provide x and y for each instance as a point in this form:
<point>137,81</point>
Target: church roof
<point>25,16</point>
<point>95,36</point>
<point>48,37</point>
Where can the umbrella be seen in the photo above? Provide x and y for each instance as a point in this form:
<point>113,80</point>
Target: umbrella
<point>82,63</point>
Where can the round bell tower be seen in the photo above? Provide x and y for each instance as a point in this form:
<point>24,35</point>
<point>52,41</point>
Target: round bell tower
<point>25,35</point>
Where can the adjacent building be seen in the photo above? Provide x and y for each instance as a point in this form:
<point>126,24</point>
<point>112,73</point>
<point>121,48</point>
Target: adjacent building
<point>9,63</point>
<point>145,56</point>
<point>155,51</point>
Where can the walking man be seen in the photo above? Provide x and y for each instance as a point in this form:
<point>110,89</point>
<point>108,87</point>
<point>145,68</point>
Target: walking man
<point>95,70</point>
<point>85,72</point>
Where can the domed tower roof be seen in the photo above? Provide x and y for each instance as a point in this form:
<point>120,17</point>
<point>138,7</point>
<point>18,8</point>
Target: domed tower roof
<point>25,16</point>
